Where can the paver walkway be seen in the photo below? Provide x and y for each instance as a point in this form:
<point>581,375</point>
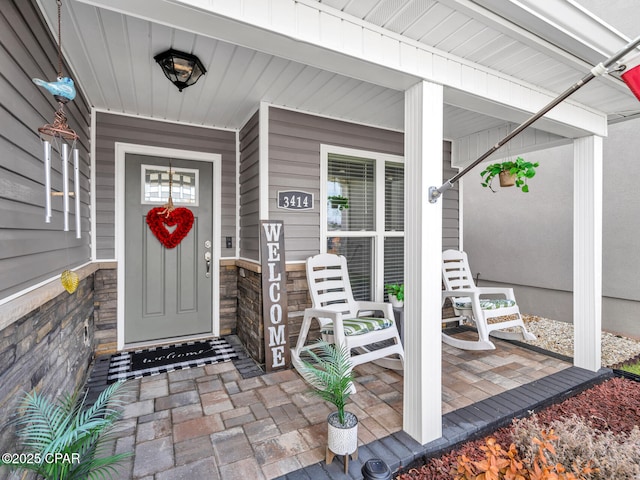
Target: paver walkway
<point>210,423</point>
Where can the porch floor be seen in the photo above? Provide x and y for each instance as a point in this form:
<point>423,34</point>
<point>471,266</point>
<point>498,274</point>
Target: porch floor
<point>210,422</point>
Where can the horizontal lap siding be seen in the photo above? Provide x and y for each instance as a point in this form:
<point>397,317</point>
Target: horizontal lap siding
<point>32,250</point>
<point>294,163</point>
<point>450,204</point>
<point>119,128</point>
<point>250,190</point>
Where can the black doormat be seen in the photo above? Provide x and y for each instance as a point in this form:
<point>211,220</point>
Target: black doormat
<point>152,361</point>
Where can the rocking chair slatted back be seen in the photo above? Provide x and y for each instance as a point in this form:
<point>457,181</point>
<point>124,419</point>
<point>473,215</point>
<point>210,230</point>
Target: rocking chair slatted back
<point>329,285</point>
<point>455,271</point>
<point>366,327</point>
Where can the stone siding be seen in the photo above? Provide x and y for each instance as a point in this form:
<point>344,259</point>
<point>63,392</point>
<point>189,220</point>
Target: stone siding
<point>48,350</point>
<point>228,296</point>
<point>106,298</point>
<point>250,321</point>
<point>250,328</point>
<point>105,313</point>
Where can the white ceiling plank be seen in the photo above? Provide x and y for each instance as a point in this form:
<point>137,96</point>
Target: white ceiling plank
<point>453,40</point>
<point>451,23</point>
<point>118,41</point>
<point>288,80</point>
<point>225,94</point>
<point>195,99</point>
<point>475,41</point>
<point>423,25</point>
<point>252,75</point>
<point>408,15</point>
<point>160,40</point>
<point>362,8</point>
<point>138,35</point>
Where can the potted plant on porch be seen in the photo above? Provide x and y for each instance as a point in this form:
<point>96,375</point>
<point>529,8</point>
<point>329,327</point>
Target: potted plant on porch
<point>510,173</point>
<point>330,372</point>
<point>396,294</point>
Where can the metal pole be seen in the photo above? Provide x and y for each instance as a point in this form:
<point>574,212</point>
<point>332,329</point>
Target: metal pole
<point>600,69</point>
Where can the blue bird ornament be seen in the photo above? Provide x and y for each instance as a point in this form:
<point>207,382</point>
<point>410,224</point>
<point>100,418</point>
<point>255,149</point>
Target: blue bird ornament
<point>63,89</point>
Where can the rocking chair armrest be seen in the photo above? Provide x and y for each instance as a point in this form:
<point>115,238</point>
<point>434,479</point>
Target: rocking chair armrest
<point>506,291</point>
<point>335,317</point>
<point>461,292</point>
<point>383,307</point>
<point>322,313</point>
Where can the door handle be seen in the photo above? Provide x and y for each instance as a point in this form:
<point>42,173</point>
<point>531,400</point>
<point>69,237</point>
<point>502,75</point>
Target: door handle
<point>207,259</point>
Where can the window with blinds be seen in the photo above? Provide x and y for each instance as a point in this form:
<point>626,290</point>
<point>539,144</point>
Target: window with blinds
<point>365,214</point>
<point>393,262</point>
<point>394,197</point>
<point>358,252</point>
<point>351,190</point>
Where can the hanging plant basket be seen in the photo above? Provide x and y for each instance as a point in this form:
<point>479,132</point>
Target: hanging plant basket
<point>510,173</point>
<point>507,179</point>
<point>339,202</point>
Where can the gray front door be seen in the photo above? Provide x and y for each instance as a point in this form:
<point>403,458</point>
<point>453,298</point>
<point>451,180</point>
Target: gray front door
<point>168,291</point>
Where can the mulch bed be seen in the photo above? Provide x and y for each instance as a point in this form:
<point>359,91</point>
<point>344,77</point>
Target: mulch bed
<point>612,406</point>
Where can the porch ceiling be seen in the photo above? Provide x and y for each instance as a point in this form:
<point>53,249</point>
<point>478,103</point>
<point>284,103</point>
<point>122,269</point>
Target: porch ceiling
<point>111,56</point>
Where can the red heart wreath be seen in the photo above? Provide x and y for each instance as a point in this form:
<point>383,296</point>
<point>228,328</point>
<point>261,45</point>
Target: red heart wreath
<point>158,222</point>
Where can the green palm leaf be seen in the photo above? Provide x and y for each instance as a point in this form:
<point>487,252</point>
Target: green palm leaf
<point>67,427</point>
<point>331,372</point>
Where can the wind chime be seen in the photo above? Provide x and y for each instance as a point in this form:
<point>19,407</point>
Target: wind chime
<point>58,137</point>
<point>159,218</point>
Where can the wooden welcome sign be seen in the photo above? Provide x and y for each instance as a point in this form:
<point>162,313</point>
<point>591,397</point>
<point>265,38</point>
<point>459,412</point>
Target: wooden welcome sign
<point>274,296</point>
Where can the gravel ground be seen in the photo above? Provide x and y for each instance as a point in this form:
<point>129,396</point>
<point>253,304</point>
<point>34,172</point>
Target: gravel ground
<point>558,337</point>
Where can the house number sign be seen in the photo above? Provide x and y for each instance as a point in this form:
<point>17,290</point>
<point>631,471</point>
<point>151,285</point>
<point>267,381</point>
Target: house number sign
<point>295,200</point>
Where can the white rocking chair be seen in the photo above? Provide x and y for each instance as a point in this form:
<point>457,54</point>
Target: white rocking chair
<point>345,321</point>
<point>468,304</point>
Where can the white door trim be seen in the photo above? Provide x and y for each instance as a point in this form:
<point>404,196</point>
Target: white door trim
<point>121,149</point>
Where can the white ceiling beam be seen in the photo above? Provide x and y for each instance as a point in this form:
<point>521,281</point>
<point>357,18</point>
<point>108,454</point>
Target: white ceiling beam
<point>309,32</point>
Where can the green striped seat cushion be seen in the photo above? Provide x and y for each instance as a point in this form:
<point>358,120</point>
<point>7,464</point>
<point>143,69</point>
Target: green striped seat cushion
<point>359,326</point>
<point>465,304</point>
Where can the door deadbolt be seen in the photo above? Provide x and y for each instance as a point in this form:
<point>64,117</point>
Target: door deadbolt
<point>207,244</point>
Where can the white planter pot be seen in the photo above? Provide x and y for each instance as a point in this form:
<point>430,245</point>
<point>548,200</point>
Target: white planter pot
<point>342,440</point>
<point>395,302</point>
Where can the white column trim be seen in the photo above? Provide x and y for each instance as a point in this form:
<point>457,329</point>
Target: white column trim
<point>263,146</point>
<point>587,252</point>
<point>92,186</point>
<point>422,263</point>
<point>237,193</point>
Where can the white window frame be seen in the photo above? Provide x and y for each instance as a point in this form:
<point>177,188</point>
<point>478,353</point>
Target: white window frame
<point>379,233</point>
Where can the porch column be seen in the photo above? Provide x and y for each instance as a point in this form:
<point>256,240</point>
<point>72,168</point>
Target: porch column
<point>587,252</point>
<point>422,260</point>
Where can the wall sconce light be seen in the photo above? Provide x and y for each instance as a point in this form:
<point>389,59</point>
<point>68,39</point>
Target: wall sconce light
<point>182,69</point>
